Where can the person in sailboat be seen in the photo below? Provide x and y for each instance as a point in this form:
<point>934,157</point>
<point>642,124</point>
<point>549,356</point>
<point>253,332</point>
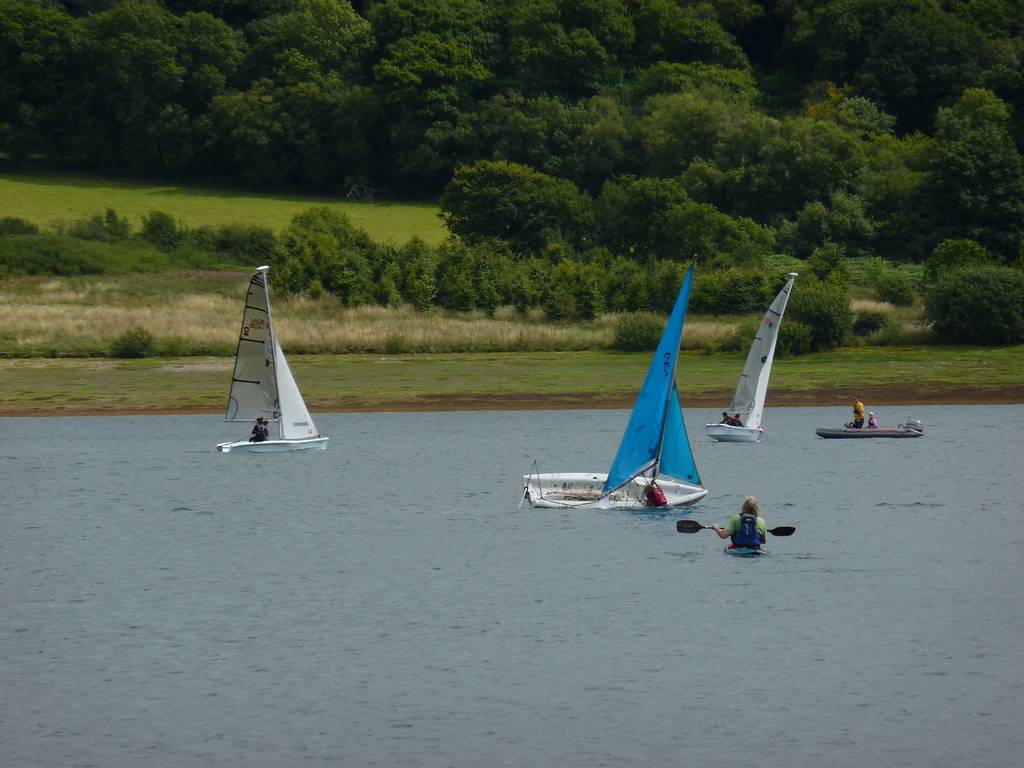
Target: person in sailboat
<point>260,431</point>
<point>730,421</point>
<point>747,529</point>
<point>654,496</point>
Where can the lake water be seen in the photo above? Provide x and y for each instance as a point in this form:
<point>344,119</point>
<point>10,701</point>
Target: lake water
<point>385,603</point>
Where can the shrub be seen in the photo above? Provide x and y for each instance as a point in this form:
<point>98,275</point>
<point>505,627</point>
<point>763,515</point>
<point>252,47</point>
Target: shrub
<point>739,339</point>
<point>135,342</point>
<point>48,255</point>
<point>895,288</point>
<point>978,305</point>
<point>638,332</point>
<point>248,242</point>
<point>824,308</point>
<point>11,225</point>
<point>161,230</point>
<point>795,338</point>
<point>867,323</point>
<point>730,291</point>
<point>950,255</point>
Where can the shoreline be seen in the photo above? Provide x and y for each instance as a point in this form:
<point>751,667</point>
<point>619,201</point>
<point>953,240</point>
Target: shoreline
<point>874,397</point>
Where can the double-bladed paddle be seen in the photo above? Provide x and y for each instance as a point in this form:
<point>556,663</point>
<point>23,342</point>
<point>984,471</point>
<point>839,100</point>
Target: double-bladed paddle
<point>692,526</point>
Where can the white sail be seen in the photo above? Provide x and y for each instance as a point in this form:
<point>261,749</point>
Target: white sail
<point>296,422</point>
<point>262,383</point>
<point>748,400</point>
<point>253,384</point>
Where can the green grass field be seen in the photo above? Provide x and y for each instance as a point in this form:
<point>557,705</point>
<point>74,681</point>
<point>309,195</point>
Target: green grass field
<point>42,198</point>
<point>595,379</point>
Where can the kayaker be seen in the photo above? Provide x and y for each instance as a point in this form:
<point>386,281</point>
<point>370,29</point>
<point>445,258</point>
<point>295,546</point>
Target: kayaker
<point>748,529</point>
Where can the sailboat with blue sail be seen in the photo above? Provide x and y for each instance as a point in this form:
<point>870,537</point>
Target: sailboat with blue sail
<point>654,465</point>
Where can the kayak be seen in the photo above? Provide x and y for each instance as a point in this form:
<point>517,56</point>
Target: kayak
<point>745,551</point>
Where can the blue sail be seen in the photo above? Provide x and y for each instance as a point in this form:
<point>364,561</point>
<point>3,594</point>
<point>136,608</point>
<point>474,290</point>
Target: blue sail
<point>641,443</point>
<point>676,456</point>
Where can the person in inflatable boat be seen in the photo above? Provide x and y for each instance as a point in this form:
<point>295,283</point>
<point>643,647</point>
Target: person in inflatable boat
<point>748,529</point>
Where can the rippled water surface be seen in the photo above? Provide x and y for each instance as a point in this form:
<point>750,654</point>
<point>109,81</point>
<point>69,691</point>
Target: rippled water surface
<point>385,603</point>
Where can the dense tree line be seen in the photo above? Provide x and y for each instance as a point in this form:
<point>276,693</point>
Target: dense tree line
<point>624,134</point>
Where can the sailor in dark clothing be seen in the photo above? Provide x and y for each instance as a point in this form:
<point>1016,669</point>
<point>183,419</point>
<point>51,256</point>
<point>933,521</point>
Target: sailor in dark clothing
<point>260,431</point>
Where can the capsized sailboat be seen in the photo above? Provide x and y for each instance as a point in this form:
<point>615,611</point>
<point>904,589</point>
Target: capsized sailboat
<point>748,400</point>
<point>262,383</point>
<point>654,464</point>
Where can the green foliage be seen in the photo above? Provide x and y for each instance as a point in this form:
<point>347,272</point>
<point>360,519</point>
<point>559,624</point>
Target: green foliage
<point>895,288</point>
<point>844,222</point>
<point>668,31</point>
<point>552,128</point>
<point>711,80</point>
<point>715,237</point>
<point>516,204</point>
<point>950,255</point>
<point>161,230</point>
<point>108,228</point>
<point>135,342</point>
<point>867,323</point>
<point>828,262</point>
<point>244,243</point>
<point>323,244</point>
<point>795,338</point>
<point>730,291</point>
<point>978,174</point>
<point>568,49</point>
<point>631,214</point>
<point>11,225</point>
<point>978,305</point>
<point>638,331</point>
<point>824,307</point>
<point>319,36</point>
<point>48,255</point>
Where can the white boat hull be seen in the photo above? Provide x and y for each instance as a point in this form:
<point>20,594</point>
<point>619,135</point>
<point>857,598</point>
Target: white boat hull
<point>273,446</point>
<point>726,433</point>
<point>583,489</point>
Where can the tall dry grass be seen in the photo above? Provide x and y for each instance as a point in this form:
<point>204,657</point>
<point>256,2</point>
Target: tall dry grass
<point>82,316</point>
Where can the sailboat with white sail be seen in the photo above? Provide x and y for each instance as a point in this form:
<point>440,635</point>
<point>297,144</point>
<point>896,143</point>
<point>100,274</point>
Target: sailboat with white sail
<point>748,400</point>
<point>654,464</point>
<point>262,384</point>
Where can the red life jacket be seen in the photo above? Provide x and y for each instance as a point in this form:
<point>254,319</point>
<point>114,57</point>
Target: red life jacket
<point>654,496</point>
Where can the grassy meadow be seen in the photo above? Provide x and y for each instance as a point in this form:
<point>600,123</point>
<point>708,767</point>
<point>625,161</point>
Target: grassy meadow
<point>588,379</point>
<point>57,333</point>
<point>197,312</point>
<point>43,198</point>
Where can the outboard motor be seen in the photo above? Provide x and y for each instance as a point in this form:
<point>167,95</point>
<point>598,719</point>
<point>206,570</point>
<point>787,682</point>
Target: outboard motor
<point>914,424</point>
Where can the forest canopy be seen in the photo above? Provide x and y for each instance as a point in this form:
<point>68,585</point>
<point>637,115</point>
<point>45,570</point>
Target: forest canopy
<point>637,129</point>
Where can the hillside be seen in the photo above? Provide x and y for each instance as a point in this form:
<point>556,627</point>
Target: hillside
<point>44,198</point>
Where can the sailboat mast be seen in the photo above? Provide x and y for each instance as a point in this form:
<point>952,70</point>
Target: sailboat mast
<point>272,344</point>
